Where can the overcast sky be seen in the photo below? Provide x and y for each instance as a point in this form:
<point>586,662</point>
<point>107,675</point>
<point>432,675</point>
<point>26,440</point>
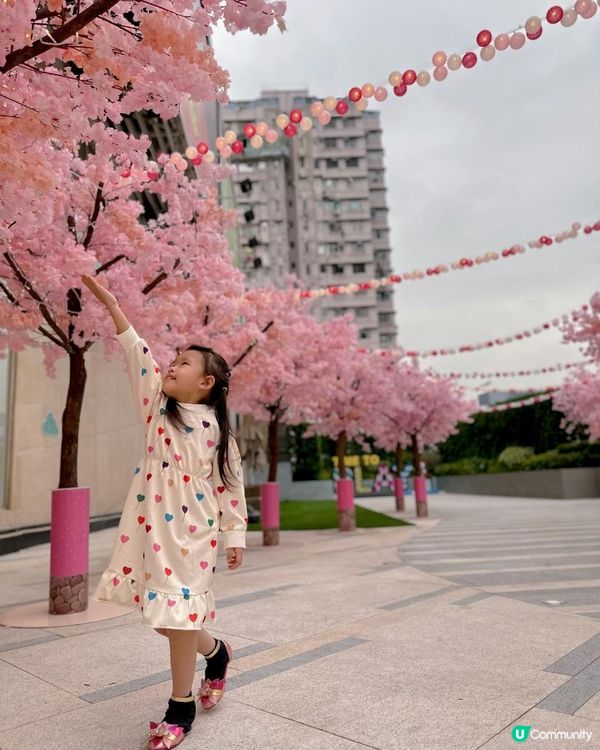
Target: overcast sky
<point>494,156</point>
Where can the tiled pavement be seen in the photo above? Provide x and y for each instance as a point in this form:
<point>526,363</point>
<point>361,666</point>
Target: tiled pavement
<point>433,636</point>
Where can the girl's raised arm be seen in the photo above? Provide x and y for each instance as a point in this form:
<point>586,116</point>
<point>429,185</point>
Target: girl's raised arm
<point>144,374</point>
<point>108,300</point>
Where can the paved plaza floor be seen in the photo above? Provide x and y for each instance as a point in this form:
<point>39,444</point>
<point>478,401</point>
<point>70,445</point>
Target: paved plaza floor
<point>482,617</point>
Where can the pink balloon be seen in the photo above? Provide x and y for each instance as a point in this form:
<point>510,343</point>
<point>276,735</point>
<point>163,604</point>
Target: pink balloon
<point>439,59</point>
<point>381,93</point>
<point>271,136</point>
<point>501,42</point>
<point>582,7</point>
<point>591,12</point>
<point>324,118</point>
<point>440,73</point>
<point>517,40</point>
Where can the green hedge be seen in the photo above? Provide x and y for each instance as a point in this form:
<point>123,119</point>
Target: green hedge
<point>563,456</point>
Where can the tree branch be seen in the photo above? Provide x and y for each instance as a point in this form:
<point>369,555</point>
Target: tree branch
<point>24,281</point>
<point>92,221</point>
<point>251,346</point>
<point>109,263</point>
<point>59,35</point>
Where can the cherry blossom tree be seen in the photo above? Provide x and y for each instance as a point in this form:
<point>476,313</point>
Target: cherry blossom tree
<point>276,379</point>
<point>579,400</point>
<point>69,71</point>
<point>354,394</point>
<point>584,327</point>
<point>423,409</point>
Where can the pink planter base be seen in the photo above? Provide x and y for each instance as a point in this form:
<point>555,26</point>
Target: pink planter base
<point>69,550</point>
<point>345,504</point>
<point>269,512</point>
<point>399,494</point>
<point>420,496</point>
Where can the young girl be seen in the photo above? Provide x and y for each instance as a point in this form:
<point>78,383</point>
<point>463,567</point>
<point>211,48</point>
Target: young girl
<point>187,487</point>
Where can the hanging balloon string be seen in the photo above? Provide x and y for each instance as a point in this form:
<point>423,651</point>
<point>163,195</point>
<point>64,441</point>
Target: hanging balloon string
<point>519,404</point>
<point>518,373</point>
<point>398,82</point>
<point>555,322</point>
<point>457,265</point>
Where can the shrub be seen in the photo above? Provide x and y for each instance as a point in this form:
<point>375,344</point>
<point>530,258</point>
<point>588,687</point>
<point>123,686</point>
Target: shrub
<point>514,455</point>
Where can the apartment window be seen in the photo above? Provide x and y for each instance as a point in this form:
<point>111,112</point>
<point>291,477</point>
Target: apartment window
<point>361,312</point>
<point>358,267</point>
<point>317,163</point>
<point>352,162</point>
<point>337,268</point>
<point>383,295</point>
<point>323,269</point>
<point>364,334</point>
<point>329,142</point>
<point>321,249</point>
<point>386,339</point>
<point>354,205</point>
<point>332,163</point>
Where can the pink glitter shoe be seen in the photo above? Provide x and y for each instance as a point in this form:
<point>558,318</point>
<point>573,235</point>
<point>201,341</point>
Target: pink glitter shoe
<point>163,736</point>
<point>211,691</point>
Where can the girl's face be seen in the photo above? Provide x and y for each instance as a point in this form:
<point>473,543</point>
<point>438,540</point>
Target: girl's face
<point>185,379</point>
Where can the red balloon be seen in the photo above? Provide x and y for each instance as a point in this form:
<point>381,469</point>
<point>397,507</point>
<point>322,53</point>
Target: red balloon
<point>295,115</point>
<point>202,148</point>
<point>400,89</point>
<point>409,77</point>
<point>355,94</point>
<point>341,107</point>
<point>484,38</point>
<point>588,230</point>
<point>554,14</point>
<point>537,34</point>
<point>125,173</point>
<point>290,130</point>
<point>597,226</point>
<point>197,160</point>
<point>237,147</point>
<point>249,130</point>
<point>469,59</point>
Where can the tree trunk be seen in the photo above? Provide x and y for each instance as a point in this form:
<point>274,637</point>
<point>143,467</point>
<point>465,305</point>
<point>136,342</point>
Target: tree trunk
<point>70,421</point>
<point>416,456</point>
<point>273,448</point>
<point>341,453</point>
<point>398,460</point>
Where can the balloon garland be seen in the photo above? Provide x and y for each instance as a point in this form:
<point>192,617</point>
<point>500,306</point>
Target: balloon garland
<point>457,265</point>
<point>518,373</point>
<point>398,83</point>
<point>518,404</point>
<point>573,315</point>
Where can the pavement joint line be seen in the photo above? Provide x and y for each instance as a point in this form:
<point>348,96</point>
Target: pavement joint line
<point>472,599</point>
<point>575,692</point>
<point>236,681</point>
<point>231,601</point>
<point>31,642</point>
<point>353,740</point>
<point>418,598</point>
<point>577,658</point>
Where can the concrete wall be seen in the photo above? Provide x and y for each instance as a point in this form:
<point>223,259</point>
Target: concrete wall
<point>111,438</point>
<point>289,490</point>
<point>553,483</point>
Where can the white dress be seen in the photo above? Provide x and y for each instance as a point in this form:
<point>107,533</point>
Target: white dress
<point>165,551</point>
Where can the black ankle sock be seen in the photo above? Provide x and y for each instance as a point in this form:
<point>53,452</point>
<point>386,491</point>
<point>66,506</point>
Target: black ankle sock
<point>182,713</point>
<point>215,666</point>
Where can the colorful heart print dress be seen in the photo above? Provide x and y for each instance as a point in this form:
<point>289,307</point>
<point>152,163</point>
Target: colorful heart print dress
<point>165,552</point>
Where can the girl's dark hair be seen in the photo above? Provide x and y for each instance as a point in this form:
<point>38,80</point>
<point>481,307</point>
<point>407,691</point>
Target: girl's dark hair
<point>214,365</point>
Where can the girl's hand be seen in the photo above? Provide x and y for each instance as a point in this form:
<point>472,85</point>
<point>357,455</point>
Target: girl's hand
<point>99,291</point>
<point>234,557</point>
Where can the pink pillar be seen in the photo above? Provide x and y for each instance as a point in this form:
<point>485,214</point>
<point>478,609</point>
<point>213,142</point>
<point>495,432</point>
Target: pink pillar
<point>269,512</point>
<point>345,504</point>
<point>420,495</point>
<point>69,550</point>
<point>399,493</point>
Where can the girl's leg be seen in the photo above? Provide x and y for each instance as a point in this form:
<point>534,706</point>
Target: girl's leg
<point>206,642</point>
<point>183,645</point>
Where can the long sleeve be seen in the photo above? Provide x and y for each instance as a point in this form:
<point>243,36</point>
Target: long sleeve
<point>233,518</point>
<point>144,374</point>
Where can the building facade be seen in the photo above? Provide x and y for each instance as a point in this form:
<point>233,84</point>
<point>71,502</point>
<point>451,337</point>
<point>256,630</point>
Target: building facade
<point>315,206</point>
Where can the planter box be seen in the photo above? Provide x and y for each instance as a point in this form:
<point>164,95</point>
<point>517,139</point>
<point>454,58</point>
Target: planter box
<point>552,483</point>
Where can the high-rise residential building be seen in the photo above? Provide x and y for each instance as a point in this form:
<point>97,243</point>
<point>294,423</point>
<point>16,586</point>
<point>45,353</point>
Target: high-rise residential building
<point>315,206</point>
